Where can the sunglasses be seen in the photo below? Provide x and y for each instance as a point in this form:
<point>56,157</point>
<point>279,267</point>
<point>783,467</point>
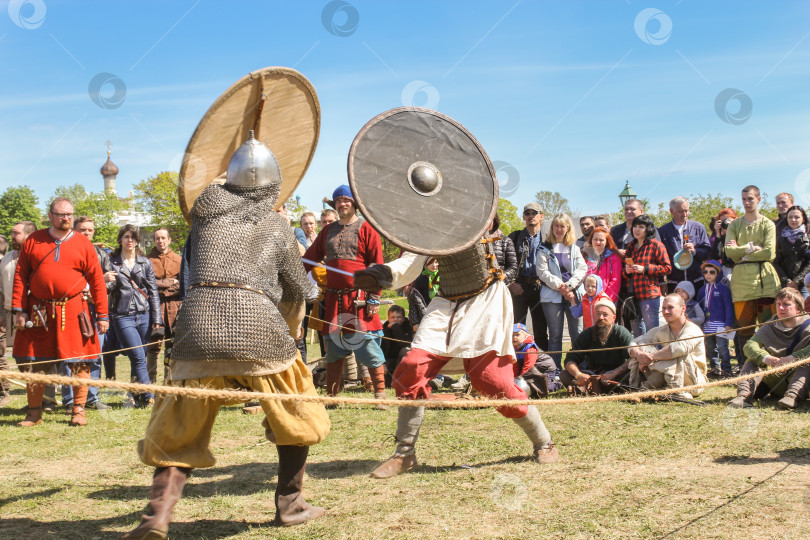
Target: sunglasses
<point>529,213</point>
<point>709,271</point>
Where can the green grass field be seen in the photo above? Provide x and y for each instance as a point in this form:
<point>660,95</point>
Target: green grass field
<point>662,470</point>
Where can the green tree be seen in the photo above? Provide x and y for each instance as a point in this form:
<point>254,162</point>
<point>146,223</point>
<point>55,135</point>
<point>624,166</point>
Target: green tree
<point>510,220</point>
<point>390,251</point>
<point>157,195</point>
<point>18,204</point>
<point>102,206</point>
<point>552,203</point>
<point>294,211</point>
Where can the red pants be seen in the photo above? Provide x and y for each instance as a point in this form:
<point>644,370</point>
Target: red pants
<point>490,374</point>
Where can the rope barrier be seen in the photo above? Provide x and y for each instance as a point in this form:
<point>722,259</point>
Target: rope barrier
<point>403,341</point>
<point>241,395</point>
<point>72,358</point>
<point>601,348</point>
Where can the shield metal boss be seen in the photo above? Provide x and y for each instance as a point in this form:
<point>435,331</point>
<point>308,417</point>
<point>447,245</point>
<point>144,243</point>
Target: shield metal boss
<point>279,105</point>
<point>423,181</point>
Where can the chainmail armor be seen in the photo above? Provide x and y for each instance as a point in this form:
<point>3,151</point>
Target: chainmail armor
<point>237,237</point>
<point>468,272</point>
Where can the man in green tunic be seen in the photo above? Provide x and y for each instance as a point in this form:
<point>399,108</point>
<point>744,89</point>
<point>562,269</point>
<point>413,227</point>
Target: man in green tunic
<point>751,244</point>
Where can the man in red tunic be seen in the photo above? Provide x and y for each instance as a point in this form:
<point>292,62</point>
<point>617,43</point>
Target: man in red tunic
<point>348,245</point>
<point>54,266</point>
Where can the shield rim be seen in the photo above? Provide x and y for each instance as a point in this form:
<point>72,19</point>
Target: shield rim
<point>369,217</point>
<point>185,207</point>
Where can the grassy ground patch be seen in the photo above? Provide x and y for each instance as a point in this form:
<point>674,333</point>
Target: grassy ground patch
<point>664,470</point>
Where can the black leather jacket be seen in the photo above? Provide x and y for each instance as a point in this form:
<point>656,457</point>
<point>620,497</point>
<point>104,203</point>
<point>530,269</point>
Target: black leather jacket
<point>507,258</point>
<point>124,293</point>
<point>792,261</point>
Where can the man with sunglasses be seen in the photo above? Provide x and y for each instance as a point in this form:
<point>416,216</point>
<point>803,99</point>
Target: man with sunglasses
<point>526,287</point>
<point>54,267</point>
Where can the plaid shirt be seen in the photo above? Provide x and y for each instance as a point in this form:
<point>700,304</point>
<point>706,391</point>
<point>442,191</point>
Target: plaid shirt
<point>653,256</point>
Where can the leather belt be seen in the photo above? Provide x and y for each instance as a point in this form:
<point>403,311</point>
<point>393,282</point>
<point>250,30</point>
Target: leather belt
<point>228,285</point>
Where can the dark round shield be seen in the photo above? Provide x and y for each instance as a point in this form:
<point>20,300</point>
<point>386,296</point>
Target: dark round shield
<point>423,181</point>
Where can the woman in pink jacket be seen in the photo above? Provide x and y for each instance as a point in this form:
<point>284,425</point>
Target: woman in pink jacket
<point>603,259</point>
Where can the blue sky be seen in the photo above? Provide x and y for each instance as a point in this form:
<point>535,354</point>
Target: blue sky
<point>576,96</point>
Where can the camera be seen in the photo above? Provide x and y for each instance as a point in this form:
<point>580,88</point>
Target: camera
<point>726,223</point>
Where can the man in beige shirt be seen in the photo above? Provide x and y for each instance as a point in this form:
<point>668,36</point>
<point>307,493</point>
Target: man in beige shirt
<point>8,265</point>
<point>670,365</point>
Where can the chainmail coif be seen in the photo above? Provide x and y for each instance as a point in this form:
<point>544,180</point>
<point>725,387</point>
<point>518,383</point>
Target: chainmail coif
<point>237,237</point>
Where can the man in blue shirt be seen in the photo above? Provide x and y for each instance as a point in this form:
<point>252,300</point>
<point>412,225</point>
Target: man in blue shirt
<point>684,234</point>
<point>526,287</point>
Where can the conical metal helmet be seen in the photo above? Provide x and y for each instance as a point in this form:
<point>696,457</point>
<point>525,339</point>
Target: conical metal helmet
<point>253,165</point>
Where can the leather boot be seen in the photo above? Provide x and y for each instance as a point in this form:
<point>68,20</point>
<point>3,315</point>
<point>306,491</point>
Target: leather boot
<point>151,365</point>
<point>78,418</point>
<point>34,415</point>
<point>167,488</point>
<point>82,371</point>
<point>334,379</point>
<point>291,508</point>
<point>532,425</point>
<point>404,459</point>
<point>378,380</point>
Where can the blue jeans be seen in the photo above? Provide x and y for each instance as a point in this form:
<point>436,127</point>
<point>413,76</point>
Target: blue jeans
<point>366,348</point>
<point>110,344</point>
<point>133,331</point>
<point>556,315</point>
<point>718,353</point>
<point>647,319</point>
<point>95,371</point>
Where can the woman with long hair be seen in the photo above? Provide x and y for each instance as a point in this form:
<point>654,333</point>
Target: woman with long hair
<point>561,268</point>
<point>719,225</point>
<point>792,260</point>
<point>646,262</point>
<point>134,305</point>
<point>603,259</point>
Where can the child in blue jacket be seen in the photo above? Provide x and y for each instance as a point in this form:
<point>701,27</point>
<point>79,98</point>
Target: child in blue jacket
<point>715,300</point>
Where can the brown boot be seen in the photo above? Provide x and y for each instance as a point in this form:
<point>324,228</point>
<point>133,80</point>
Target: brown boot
<point>34,415</point>
<point>394,465</point>
<point>78,418</point>
<point>291,508</point>
<point>378,378</point>
<point>82,371</point>
<point>334,379</point>
<point>151,364</point>
<point>167,488</point>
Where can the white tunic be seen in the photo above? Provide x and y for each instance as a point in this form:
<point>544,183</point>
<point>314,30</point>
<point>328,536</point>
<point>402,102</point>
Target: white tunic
<point>481,324</point>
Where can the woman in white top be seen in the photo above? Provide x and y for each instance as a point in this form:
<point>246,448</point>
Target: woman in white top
<point>561,268</point>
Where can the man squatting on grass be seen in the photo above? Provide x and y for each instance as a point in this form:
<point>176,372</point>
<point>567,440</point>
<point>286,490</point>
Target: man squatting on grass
<point>260,293</point>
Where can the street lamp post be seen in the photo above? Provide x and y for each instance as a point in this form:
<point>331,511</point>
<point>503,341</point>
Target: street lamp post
<point>627,193</point>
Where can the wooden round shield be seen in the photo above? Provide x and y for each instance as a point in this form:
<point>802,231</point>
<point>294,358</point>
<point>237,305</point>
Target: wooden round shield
<point>279,105</point>
<point>423,181</point>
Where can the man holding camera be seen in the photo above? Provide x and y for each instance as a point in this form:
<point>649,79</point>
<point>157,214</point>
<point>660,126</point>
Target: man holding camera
<point>525,289</point>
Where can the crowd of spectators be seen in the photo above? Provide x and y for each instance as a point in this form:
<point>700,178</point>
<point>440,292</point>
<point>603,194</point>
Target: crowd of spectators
<point>618,290</point>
